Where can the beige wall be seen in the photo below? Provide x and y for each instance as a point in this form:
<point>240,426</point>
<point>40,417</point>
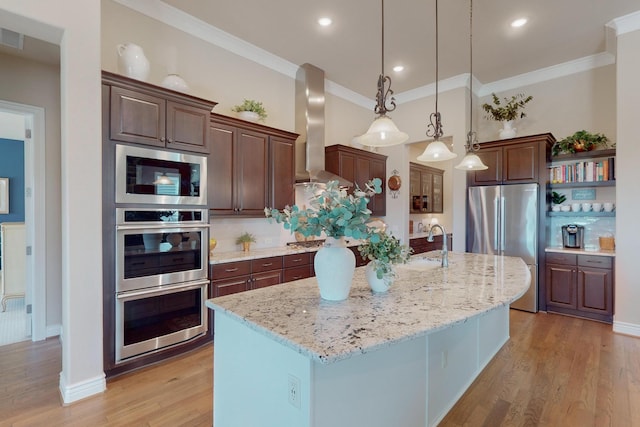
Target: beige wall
<point>585,100</point>
<point>75,26</point>
<point>627,300</point>
<point>36,84</point>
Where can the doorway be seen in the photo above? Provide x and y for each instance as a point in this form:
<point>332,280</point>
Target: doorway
<point>34,304</point>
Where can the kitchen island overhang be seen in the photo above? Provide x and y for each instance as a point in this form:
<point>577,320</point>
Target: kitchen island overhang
<point>283,356</point>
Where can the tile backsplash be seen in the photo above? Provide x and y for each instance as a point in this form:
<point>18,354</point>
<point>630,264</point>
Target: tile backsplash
<point>594,227</point>
<point>268,233</point>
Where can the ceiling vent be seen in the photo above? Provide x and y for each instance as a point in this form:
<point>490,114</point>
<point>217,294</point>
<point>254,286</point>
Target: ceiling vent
<point>11,38</point>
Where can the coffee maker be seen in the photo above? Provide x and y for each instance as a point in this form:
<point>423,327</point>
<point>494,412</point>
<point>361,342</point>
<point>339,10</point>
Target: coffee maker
<point>573,236</point>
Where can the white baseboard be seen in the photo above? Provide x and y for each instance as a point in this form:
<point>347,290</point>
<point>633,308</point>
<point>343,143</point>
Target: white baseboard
<point>73,393</point>
<point>626,328</point>
<point>54,330</point>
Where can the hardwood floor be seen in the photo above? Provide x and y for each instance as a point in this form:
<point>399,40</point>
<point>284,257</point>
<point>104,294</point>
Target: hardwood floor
<point>177,392</point>
<point>554,371</point>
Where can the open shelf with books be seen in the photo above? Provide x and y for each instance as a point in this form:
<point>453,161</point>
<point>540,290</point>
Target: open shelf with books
<point>587,169</point>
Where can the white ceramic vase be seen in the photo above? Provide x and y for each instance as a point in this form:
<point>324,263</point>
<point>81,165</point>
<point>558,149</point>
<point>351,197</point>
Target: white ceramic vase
<point>377,285</point>
<point>175,82</point>
<point>334,265</point>
<point>132,62</point>
<point>250,116</point>
<point>507,131</point>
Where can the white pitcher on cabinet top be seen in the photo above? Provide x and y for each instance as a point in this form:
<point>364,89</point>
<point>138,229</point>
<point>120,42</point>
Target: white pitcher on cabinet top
<point>132,62</point>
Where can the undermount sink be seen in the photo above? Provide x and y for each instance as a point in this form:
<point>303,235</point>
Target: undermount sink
<point>421,263</point>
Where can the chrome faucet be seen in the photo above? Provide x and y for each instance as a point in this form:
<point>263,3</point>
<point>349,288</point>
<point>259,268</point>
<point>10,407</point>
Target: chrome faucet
<point>445,250</point>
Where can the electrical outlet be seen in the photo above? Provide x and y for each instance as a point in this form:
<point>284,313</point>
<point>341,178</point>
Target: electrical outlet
<point>268,241</point>
<point>443,360</point>
<point>293,390</point>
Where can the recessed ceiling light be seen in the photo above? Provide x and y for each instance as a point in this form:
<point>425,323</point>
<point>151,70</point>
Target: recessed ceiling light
<point>519,22</point>
<point>398,68</point>
<point>325,22</point>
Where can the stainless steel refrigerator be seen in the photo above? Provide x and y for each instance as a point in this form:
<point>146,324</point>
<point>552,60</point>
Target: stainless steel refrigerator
<point>503,220</point>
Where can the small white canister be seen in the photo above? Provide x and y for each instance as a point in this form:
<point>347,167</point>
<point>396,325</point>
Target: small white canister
<point>132,62</point>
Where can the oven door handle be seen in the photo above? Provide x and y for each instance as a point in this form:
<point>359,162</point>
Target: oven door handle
<point>164,225</point>
<point>160,290</point>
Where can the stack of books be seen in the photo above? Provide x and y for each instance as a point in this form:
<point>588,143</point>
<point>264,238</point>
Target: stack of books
<point>584,171</point>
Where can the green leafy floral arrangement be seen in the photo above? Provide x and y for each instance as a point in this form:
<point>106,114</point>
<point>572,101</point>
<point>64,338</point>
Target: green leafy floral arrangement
<point>251,105</point>
<point>333,211</point>
<point>507,111</point>
<point>385,251</point>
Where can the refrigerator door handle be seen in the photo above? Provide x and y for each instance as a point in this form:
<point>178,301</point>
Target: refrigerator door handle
<point>502,225</point>
<point>496,226</point>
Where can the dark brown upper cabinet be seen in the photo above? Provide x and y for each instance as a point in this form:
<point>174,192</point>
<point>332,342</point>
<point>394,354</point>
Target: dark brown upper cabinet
<point>515,160</point>
<point>359,166</point>
<point>146,114</point>
<point>250,167</point>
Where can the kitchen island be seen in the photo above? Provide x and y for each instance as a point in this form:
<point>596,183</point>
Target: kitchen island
<point>285,357</point>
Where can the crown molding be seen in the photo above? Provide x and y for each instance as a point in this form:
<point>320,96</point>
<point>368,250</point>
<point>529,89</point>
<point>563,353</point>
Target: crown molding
<point>548,73</point>
<point>348,95</point>
<point>169,15</point>
<point>445,85</point>
<point>625,24</point>
<point>176,18</point>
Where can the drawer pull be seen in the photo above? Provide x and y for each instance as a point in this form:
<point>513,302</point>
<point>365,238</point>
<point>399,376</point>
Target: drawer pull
<point>296,277</point>
<point>267,264</point>
<point>296,260</point>
<point>230,270</point>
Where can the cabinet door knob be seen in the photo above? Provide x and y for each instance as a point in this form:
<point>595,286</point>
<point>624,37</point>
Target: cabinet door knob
<point>162,139</point>
<point>169,140</point>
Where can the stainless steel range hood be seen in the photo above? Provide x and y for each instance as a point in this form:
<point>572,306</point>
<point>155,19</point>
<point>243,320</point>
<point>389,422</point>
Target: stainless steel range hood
<point>309,110</point>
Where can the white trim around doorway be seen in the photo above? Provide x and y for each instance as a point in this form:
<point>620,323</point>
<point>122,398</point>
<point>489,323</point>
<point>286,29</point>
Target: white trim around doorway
<point>35,211</point>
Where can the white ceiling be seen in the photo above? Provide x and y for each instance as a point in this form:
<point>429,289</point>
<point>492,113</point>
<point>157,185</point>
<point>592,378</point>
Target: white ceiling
<point>350,50</point>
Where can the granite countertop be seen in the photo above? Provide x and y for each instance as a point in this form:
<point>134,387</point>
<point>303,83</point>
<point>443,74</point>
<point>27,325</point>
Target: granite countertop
<point>601,252</point>
<point>418,303</point>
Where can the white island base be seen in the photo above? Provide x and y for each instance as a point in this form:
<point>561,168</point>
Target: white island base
<point>259,381</point>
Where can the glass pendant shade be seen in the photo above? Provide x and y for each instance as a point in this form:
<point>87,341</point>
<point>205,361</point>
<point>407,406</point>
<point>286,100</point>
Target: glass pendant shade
<point>382,133</point>
<point>436,151</point>
<point>471,162</point>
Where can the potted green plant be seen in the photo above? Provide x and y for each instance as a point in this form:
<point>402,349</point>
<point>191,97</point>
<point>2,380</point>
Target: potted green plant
<point>506,111</point>
<point>245,239</point>
<point>338,214</point>
<point>557,198</point>
<point>254,109</point>
<point>383,253</point>
<point>581,140</point>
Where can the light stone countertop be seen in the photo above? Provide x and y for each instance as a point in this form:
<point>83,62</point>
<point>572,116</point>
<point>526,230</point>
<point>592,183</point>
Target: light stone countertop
<point>601,252</point>
<point>418,303</point>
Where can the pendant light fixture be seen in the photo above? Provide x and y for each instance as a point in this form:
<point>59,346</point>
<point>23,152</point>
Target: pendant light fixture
<point>436,151</point>
<point>383,132</point>
<point>471,161</point>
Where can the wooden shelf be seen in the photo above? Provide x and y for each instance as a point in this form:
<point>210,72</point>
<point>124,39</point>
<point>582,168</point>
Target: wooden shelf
<point>574,214</point>
<point>610,183</point>
<point>593,154</point>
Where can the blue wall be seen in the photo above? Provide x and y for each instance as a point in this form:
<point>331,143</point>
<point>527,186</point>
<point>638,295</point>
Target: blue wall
<point>12,167</point>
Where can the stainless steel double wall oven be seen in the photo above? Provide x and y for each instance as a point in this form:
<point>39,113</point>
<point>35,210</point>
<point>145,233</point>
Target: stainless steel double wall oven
<point>161,247</point>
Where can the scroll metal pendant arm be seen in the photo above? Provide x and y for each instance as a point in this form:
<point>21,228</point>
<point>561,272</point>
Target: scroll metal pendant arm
<point>434,128</point>
<point>384,93</point>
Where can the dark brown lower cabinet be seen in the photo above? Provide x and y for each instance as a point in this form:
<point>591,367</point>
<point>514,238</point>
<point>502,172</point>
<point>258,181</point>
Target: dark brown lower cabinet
<point>580,285</point>
<point>297,266</point>
<point>420,244</point>
<point>232,277</point>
